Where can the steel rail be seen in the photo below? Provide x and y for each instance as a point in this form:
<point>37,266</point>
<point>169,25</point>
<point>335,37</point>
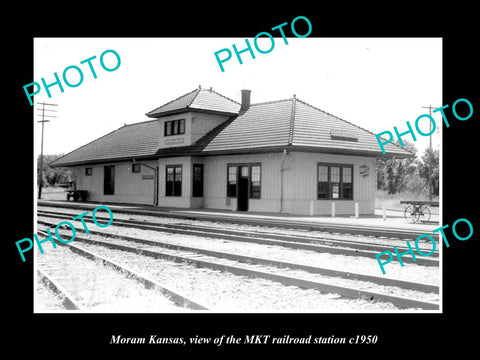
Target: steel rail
<point>349,292</point>
<point>250,234</point>
<point>69,301</point>
<point>290,244</point>
<point>148,283</point>
<point>261,261</point>
<point>356,229</point>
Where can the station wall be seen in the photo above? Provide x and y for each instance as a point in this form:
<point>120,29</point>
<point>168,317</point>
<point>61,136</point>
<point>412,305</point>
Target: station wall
<point>293,190</point>
<point>129,187</point>
<point>301,189</point>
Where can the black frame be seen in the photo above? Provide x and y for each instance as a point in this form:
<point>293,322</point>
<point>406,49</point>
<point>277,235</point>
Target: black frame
<point>174,127</point>
<point>253,192</point>
<point>136,168</point>
<point>326,187</point>
<point>232,189</point>
<point>175,189</point>
<point>88,171</point>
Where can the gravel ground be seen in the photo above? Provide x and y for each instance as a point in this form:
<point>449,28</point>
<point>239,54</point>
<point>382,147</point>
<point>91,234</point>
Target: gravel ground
<point>409,272</point>
<point>328,303</point>
<point>96,287</point>
<point>46,299</point>
<point>224,291</point>
<point>221,291</point>
<point>301,274</point>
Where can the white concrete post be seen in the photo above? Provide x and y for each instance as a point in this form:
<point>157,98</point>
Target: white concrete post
<point>357,210</point>
<point>311,208</point>
<point>333,209</point>
<point>384,212</point>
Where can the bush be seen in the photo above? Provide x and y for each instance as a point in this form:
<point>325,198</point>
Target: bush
<point>416,185</point>
<point>52,176</point>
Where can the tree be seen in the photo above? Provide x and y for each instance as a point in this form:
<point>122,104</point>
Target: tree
<point>407,145</point>
<point>429,170</point>
<point>52,176</point>
<point>393,174</point>
<point>399,177</point>
<point>414,183</point>
<point>390,178</point>
<point>380,171</point>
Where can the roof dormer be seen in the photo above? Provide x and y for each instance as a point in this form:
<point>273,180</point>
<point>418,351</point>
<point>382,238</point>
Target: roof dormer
<point>198,100</point>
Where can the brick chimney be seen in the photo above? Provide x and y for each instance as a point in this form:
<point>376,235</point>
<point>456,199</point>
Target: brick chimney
<point>245,101</point>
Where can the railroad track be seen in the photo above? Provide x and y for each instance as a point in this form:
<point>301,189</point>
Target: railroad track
<point>317,244</point>
<point>68,302</point>
<point>268,262</point>
<point>228,262</point>
<point>71,304</point>
<point>356,229</point>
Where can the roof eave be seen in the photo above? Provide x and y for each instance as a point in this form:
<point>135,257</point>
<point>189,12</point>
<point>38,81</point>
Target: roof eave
<point>279,148</point>
<point>182,151</point>
<point>190,109</point>
<point>195,152</point>
<point>345,151</point>
<point>103,161</point>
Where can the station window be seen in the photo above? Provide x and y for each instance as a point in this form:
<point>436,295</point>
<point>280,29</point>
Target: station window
<point>255,182</point>
<point>88,171</point>
<point>232,181</point>
<point>136,168</point>
<point>334,182</point>
<point>174,127</point>
<point>173,180</point>
<point>322,191</point>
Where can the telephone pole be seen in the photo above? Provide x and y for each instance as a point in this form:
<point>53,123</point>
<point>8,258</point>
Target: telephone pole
<point>43,121</point>
<point>429,107</point>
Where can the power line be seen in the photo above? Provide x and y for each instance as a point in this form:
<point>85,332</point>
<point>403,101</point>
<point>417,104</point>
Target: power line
<point>43,121</point>
<point>429,107</point>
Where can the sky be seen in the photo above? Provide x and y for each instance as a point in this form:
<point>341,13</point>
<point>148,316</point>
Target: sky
<point>375,83</point>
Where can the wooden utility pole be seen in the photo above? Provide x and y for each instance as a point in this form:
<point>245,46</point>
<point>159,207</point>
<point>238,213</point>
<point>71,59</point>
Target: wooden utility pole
<point>43,121</point>
<point>429,107</point>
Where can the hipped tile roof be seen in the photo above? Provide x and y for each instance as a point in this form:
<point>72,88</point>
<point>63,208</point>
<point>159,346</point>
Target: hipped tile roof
<point>137,141</point>
<point>199,100</point>
<point>270,126</point>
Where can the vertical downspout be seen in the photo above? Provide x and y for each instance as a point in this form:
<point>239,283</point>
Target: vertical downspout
<point>289,144</point>
<point>155,189</point>
<point>282,169</point>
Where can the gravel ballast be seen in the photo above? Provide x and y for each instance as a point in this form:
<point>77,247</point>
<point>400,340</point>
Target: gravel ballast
<point>409,272</point>
<point>97,287</point>
<point>226,292</point>
<point>222,291</point>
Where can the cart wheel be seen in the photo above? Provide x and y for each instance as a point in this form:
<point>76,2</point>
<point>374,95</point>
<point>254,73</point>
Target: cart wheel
<point>83,196</point>
<point>411,215</point>
<point>76,196</point>
<point>425,213</point>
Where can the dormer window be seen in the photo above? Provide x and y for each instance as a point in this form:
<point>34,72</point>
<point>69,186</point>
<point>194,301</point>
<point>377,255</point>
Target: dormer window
<point>174,127</point>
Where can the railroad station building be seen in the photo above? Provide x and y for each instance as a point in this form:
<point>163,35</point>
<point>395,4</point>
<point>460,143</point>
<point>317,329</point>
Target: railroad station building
<point>204,150</point>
